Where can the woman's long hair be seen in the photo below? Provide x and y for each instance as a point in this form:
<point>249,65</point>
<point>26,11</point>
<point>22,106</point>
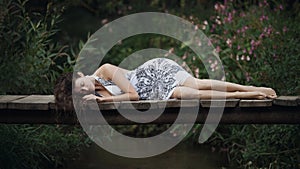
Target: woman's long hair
<point>63,91</point>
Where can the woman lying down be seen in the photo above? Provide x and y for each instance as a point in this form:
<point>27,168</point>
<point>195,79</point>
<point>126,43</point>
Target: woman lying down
<point>158,78</point>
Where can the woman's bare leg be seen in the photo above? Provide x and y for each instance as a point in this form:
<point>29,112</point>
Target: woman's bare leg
<point>209,84</point>
<point>183,92</point>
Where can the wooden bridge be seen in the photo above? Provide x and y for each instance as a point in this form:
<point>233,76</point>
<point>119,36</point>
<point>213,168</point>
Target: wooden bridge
<point>41,109</point>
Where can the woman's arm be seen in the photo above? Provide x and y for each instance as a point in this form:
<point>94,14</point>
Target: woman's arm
<point>97,72</point>
<point>117,75</point>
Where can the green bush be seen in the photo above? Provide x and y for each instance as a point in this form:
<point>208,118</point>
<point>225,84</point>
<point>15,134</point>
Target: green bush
<point>30,61</point>
<point>27,49</point>
<point>39,146</point>
<point>258,44</point>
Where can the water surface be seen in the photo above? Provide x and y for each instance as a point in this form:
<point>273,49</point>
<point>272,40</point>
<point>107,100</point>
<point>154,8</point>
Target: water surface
<point>183,156</point>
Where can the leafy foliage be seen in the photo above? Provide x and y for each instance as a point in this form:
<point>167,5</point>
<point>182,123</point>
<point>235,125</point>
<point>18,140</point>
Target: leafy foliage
<point>28,52</point>
<point>30,62</point>
<point>39,146</point>
<point>258,43</point>
<point>260,146</point>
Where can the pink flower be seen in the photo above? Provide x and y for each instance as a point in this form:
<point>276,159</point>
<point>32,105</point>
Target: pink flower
<point>252,42</point>
<point>258,43</point>
<point>263,17</point>
<point>104,21</point>
<point>196,72</point>
<point>243,57</point>
<point>119,42</point>
<point>248,58</point>
<point>244,28</point>
<point>196,27</point>
<point>229,42</point>
<point>209,43</point>
<point>229,18</point>
<point>218,49</point>
<point>242,14</point>
<point>213,27</point>
<point>250,52</point>
<point>222,7</point>
<point>218,21</point>
<point>280,7</point>
<point>169,52</point>
<point>199,43</point>
<point>261,35</point>
<point>248,77</point>
<point>184,56</point>
<point>284,29</point>
<point>217,7</point>
<point>214,66</point>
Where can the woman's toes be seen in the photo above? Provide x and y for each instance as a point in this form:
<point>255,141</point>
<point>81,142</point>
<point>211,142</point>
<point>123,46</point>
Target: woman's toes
<point>272,96</point>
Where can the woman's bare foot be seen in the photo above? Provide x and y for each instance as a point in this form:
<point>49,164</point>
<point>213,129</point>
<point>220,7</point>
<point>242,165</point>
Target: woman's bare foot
<point>270,93</point>
<point>250,95</point>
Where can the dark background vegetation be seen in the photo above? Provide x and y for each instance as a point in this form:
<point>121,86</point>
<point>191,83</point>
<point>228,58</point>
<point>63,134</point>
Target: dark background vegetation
<point>258,43</point>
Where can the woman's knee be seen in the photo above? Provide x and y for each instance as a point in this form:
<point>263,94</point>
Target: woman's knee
<point>199,84</point>
<point>186,93</point>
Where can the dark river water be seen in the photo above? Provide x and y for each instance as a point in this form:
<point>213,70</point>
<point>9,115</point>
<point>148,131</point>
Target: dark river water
<point>183,156</point>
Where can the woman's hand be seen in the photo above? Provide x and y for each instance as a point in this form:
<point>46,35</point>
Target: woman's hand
<point>91,97</point>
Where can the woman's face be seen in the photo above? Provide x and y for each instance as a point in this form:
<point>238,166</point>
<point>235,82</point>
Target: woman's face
<point>84,85</point>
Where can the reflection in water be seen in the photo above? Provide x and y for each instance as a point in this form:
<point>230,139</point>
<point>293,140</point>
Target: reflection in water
<point>182,156</point>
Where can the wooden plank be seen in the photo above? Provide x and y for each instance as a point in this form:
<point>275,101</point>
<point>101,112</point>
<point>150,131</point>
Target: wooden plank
<point>256,103</point>
<point>286,101</point>
<point>140,105</point>
<point>4,99</point>
<point>109,105</point>
<point>172,103</point>
<point>220,103</point>
<point>155,104</point>
<point>32,102</point>
<point>262,115</point>
<point>52,104</point>
<point>36,109</point>
<point>148,104</point>
<point>247,115</point>
<point>161,104</point>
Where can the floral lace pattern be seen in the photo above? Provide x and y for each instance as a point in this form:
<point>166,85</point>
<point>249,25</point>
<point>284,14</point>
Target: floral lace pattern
<point>157,79</point>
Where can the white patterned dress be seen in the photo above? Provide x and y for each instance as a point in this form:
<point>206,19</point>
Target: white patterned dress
<point>156,79</point>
